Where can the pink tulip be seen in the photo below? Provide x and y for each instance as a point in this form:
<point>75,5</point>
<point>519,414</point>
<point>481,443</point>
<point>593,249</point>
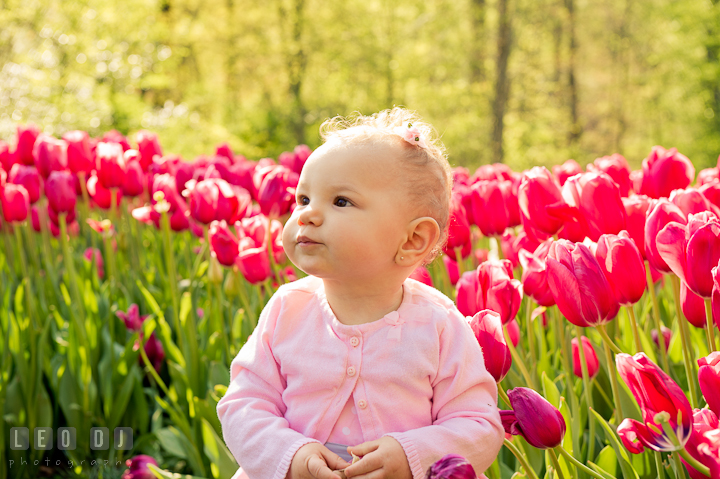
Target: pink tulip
<point>593,364</point>
<point>513,331</point>
<point>708,175</point>
<point>15,203</point>
<point>132,319</point>
<point>26,137</point>
<point>60,191</point>
<point>566,170</point>
<point>114,136</point>
<point>579,287</point>
<point>7,159</point>
<point>102,196</point>
<point>138,467</point>
<point>421,274</point>
<point>655,392</point>
<point>691,201</point>
<point>452,269</point>
<point>296,159</point>
<point>223,244</point>
<point>458,231</point>
<point>537,191</point>
<point>497,290</point>
<point>623,266</point>
<point>709,378</point>
<point>50,154</point>
<point>534,277</point>
<point>636,207</point>
<point>511,245</point>
<point>148,146</point>
<point>691,250</point>
<point>489,204</point>
<point>79,156</point>
<point>693,306</point>
<point>660,213</point>
<point>27,176</point>
<point>704,443</point>
<point>467,292</point>
<point>615,166</point>
<point>110,165</point>
<point>275,193</point>
<point>134,184</point>
<point>492,171</point>
<point>488,329</point>
<point>88,255</point>
<point>665,171</point>
<point>254,264</point>
<point>711,191</point>
<point>255,228</point>
<point>154,351</point>
<point>667,336</point>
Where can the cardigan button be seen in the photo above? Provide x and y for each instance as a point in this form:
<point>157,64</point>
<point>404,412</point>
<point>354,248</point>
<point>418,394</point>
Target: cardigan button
<point>354,341</point>
<point>362,403</point>
<point>351,371</point>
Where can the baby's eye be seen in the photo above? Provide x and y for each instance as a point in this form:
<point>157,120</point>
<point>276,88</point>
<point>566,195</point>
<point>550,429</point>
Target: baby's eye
<point>342,202</point>
<point>301,200</point>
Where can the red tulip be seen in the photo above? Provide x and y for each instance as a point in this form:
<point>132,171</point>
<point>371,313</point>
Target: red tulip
<point>493,171</point>
<point>623,266</point>
<point>566,170</point>
<point>88,255</point>
<point>615,166</point>
<point>636,207</point>
<point>60,191</point>
<point>138,466</point>
<point>28,177</point>
<point>581,290</point>
<point>489,209</point>
<point>708,175</point>
<point>593,201</point>
<point>154,351</point>
<point>660,213</point>
<point>593,364</point>
<point>709,378</point>
<point>665,171</point>
<point>101,195</point>
<point>630,437</point>
<point>255,228</point>
<point>451,466</point>
<point>655,393</point>
<point>114,136</point>
<point>704,443</point>
<point>512,244</point>
<point>513,331</point>
<point>533,417</point>
<point>488,329</point>
<point>50,154</point>
<point>691,250</point>
<point>496,289</point>
<point>26,136</point>
<point>421,274</point>
<point>458,231</point>
<point>79,156</point>
<point>148,146</point>
<point>110,165</point>
<point>296,159</point>
<point>7,159</point>
<point>693,306</point>
<point>134,183</point>
<point>223,244</point>
<point>711,191</point>
<point>667,336</point>
<point>534,277</point>
<point>15,203</point>
<point>537,191</point>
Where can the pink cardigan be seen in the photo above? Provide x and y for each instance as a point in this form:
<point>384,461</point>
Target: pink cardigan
<point>416,374</point>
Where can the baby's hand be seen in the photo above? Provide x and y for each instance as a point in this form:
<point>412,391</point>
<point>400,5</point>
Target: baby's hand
<point>315,461</point>
<point>381,459</point>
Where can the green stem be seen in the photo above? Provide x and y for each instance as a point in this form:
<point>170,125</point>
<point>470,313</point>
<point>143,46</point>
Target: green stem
<point>588,391</point>
<point>656,317</point>
<point>239,282</point>
<point>70,265</point>
<point>503,395</point>
<point>679,466</point>
<point>530,329</point>
<point>694,463</point>
<point>577,463</point>
<point>26,276</point>
<point>521,459</point>
<point>636,334</point>
<point>710,329</point>
<point>172,277</point>
<point>606,339</point>
<point>687,351</point>
<point>659,465</point>
<point>556,463</point>
<point>518,361</point>
<point>613,375</point>
<point>459,261</point>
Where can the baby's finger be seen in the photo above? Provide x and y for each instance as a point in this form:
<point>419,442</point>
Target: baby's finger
<point>364,448</point>
<point>334,461</point>
<point>318,469</point>
<point>369,463</point>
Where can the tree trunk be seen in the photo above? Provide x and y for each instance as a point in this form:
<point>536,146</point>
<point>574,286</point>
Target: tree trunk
<point>296,60</point>
<point>502,82</point>
<point>477,53</point>
<point>575,128</point>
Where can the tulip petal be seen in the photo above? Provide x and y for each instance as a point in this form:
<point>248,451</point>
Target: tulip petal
<point>566,291</point>
<point>671,245</point>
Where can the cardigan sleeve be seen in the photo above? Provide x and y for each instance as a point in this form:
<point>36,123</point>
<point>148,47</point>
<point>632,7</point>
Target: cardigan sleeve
<point>252,411</point>
<point>466,420</point>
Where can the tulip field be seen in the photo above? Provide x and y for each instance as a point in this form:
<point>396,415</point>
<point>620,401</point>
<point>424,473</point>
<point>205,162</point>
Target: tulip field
<point>130,278</point>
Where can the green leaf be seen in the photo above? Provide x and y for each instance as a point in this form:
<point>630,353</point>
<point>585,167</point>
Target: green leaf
<point>626,467</point>
<point>176,443</point>
<point>185,307</point>
<point>217,451</point>
<point>150,300</point>
<point>122,397</point>
<point>600,470</point>
<point>607,460</point>
<point>162,474</point>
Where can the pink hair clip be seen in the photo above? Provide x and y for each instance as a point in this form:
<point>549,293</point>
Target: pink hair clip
<point>411,134</point>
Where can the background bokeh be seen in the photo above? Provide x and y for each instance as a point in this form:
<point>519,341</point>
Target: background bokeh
<point>583,78</point>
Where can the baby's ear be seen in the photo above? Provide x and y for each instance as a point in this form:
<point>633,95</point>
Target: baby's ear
<point>422,236</point>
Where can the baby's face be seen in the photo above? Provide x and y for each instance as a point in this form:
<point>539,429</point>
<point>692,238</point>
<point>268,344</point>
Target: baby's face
<point>352,211</point>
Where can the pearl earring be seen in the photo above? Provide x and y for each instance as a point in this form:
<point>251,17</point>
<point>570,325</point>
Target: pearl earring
<point>402,257</point>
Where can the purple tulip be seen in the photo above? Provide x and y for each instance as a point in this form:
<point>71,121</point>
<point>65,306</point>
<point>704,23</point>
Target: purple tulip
<point>451,466</point>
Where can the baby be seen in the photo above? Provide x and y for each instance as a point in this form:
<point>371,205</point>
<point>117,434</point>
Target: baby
<point>357,358</point>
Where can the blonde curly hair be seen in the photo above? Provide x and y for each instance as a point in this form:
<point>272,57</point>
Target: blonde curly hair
<point>429,177</point>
